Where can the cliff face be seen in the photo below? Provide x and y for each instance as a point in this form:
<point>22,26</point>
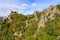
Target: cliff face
<point>43,25</point>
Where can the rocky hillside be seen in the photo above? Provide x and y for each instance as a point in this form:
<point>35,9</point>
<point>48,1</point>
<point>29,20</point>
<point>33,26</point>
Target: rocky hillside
<point>43,25</point>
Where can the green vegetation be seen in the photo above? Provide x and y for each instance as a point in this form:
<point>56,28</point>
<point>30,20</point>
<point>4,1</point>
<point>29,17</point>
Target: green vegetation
<point>25,27</point>
<point>58,6</point>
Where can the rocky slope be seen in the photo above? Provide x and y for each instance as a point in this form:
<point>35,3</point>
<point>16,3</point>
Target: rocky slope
<point>43,25</point>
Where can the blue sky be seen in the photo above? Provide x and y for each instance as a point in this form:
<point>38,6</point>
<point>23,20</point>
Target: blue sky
<point>24,6</point>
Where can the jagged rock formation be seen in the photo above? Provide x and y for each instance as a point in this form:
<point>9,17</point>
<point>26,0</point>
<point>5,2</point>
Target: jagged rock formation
<point>43,25</point>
